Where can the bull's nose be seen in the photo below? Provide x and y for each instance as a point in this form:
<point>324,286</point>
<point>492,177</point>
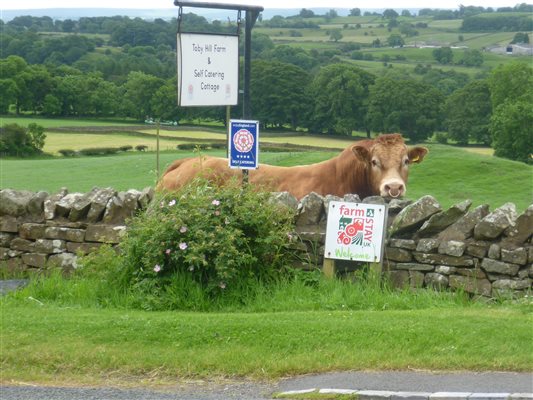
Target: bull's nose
<point>393,189</point>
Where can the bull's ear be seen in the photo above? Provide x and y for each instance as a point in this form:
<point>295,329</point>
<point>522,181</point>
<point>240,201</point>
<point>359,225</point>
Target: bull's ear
<point>417,154</point>
<point>361,153</point>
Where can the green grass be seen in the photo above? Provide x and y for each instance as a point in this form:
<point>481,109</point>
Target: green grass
<point>62,122</point>
<point>57,344</point>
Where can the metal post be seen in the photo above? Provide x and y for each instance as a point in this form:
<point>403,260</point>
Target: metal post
<point>157,149</point>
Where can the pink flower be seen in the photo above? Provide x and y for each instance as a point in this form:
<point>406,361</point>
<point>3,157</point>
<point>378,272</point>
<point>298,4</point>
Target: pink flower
<point>183,229</point>
<point>167,251</point>
<point>215,202</point>
<point>183,246</point>
<point>157,268</point>
<point>171,203</point>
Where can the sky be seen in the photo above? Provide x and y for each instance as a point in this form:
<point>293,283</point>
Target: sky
<point>397,4</point>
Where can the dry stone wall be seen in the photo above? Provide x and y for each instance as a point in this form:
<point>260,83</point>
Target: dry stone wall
<point>480,251</point>
<point>39,230</point>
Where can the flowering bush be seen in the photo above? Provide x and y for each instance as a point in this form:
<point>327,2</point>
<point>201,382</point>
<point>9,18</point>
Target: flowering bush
<point>220,237</point>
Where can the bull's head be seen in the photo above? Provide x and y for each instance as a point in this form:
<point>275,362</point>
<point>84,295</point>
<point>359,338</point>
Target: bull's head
<point>387,161</point>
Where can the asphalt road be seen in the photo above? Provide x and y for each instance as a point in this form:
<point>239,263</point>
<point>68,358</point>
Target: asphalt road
<point>487,382</point>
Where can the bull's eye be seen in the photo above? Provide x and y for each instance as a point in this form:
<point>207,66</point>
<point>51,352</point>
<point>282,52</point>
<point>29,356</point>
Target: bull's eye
<point>375,163</point>
<point>406,162</point>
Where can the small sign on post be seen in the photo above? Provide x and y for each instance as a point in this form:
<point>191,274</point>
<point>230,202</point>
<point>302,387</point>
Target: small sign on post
<point>243,144</point>
<point>355,232</point>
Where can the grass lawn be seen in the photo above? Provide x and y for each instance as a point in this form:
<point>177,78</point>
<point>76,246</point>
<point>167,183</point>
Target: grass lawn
<point>54,344</point>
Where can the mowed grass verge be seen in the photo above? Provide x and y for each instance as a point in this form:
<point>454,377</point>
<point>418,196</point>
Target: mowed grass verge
<point>448,173</point>
<point>60,344</point>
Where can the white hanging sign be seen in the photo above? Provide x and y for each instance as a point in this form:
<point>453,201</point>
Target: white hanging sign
<point>208,69</point>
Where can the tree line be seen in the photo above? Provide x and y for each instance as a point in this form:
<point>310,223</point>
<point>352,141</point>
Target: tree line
<point>73,75</point>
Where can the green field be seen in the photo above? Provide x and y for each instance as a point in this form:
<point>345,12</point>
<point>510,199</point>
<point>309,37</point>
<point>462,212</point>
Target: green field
<point>55,345</point>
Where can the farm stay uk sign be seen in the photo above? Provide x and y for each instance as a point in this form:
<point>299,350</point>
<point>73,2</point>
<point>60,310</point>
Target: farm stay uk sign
<point>355,231</point>
<point>208,69</point>
<point>243,144</point>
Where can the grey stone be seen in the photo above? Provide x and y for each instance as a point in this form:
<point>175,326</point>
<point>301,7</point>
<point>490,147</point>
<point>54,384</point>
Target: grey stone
<point>36,204</point>
<point>146,197</point>
<point>477,248</point>
<point>449,396</point>
<point>285,199</point>
<point>471,272</point>
<point>445,269</point>
<point>64,205</point>
<point>374,394</point>
<point>499,267</point>
<point>51,202</point>
<point>34,259</point>
<point>463,228</point>
<point>22,245</point>
<point>397,205</point>
<point>32,231</point>
<point>6,238</point>
<point>374,200</point>
<point>471,285</point>
<point>397,254</point>
<point>412,216</point>
<point>415,266</point>
<point>438,222</point>
<point>310,210</point>
<point>64,260</point>
<point>494,251</point>
<point>515,256</point>
<point>81,207</point>
<point>407,244</point>
<point>9,224</point>
<point>435,280</point>
<point>99,200</point>
<point>493,225</point>
<point>70,234</point>
<point>82,248</point>
<point>510,284</point>
<point>105,233</point>
<point>416,279</point>
<point>121,207</point>
<point>328,199</point>
<point>48,246</point>
<point>427,245</point>
<point>352,198</point>
<point>489,396</point>
<point>522,229</point>
<point>452,248</point>
<point>398,279</point>
<point>410,396</point>
<point>4,253</point>
<point>443,259</point>
<point>14,202</point>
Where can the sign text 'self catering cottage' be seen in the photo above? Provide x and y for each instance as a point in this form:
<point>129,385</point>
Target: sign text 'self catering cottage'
<point>208,69</point>
<point>355,231</point>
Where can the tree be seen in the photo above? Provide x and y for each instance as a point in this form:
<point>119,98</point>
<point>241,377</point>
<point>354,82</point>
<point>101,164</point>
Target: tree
<point>512,129</point>
<point>472,58</point>
<point>390,13</point>
<point>467,113</point>
<point>138,92</point>
<point>395,40</point>
<point>511,124</point>
<point>15,140</point>
<point>406,106</point>
<point>443,55</point>
<point>305,13</point>
<point>355,12</point>
<point>278,92</point>
<point>520,37</point>
<point>340,99</point>
<point>406,13</point>
<point>335,35</point>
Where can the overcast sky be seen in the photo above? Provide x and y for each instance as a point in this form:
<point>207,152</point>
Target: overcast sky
<point>399,4</point>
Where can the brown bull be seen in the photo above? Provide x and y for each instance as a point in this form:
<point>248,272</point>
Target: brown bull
<point>368,167</point>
